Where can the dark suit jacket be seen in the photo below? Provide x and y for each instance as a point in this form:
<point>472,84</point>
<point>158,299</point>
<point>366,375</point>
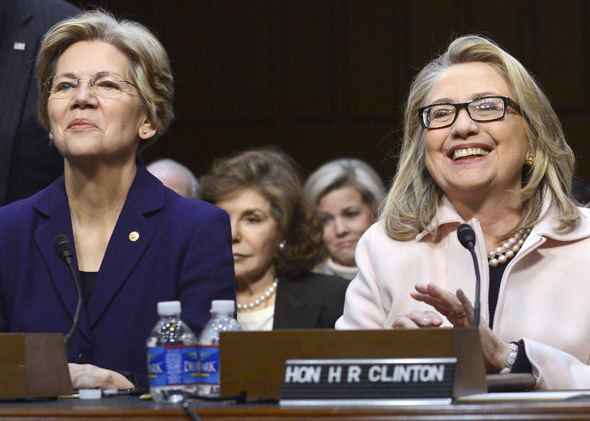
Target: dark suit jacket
<point>27,162</point>
<point>183,253</point>
<point>310,301</point>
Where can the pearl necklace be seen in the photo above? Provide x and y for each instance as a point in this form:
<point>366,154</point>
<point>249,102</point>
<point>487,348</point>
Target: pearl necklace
<point>508,249</point>
<point>262,298</point>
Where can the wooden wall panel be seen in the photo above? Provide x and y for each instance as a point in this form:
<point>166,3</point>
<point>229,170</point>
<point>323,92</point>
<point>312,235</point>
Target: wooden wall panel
<point>369,141</point>
<point>560,42</point>
<point>428,27</point>
<point>501,20</point>
<point>186,36</point>
<point>308,73</point>
<point>221,60</point>
<point>197,147</point>
<point>373,65</point>
<point>328,78</point>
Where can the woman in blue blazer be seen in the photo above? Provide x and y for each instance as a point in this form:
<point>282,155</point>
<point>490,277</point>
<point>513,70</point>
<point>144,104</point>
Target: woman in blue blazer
<point>107,91</point>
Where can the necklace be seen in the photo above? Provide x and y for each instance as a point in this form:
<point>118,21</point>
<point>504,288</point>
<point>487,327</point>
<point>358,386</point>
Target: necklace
<point>507,251</point>
<point>269,292</point>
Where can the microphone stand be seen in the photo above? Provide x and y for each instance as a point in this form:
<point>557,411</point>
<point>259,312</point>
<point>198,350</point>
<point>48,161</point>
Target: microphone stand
<point>64,250</point>
<point>76,321</point>
<point>466,236</point>
<point>476,303</point>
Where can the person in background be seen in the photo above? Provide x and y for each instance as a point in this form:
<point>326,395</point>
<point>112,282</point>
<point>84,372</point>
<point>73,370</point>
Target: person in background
<point>176,176</point>
<point>581,191</point>
<point>482,146</point>
<point>276,242</point>
<point>347,193</point>
<point>106,92</point>
<point>28,161</point>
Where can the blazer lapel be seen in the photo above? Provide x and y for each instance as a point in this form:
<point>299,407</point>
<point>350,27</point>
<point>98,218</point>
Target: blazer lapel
<point>123,253</point>
<point>53,204</point>
<point>128,243</point>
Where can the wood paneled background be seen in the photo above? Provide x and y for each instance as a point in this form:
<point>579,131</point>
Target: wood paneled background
<point>323,79</point>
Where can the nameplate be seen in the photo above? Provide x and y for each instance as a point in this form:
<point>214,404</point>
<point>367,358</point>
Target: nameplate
<point>368,381</point>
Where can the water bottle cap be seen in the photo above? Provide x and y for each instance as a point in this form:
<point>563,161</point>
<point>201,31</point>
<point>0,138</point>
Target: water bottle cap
<point>223,306</point>
<point>169,308</point>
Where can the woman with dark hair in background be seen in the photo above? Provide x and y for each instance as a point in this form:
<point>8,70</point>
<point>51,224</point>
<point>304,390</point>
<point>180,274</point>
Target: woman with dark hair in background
<point>276,242</point>
<point>106,92</point>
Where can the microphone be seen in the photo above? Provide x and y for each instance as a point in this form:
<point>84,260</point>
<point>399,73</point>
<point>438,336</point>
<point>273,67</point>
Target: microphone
<point>63,248</point>
<point>467,238</point>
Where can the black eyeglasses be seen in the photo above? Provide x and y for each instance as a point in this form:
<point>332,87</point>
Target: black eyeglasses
<point>487,108</point>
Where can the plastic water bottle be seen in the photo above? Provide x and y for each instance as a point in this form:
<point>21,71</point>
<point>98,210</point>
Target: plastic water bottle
<point>172,355</point>
<point>222,320</point>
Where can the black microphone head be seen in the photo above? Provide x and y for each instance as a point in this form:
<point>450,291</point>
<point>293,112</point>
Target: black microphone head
<point>63,247</point>
<point>466,236</point>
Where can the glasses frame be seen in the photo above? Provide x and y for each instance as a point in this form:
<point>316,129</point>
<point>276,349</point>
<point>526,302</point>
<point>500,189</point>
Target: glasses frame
<point>48,84</point>
<point>508,102</point>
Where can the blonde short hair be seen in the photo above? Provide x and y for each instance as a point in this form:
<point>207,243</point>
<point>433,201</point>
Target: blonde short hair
<point>148,62</point>
<point>414,197</point>
<point>345,172</point>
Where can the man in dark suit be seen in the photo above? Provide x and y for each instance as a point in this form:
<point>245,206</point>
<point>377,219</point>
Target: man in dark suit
<point>28,162</point>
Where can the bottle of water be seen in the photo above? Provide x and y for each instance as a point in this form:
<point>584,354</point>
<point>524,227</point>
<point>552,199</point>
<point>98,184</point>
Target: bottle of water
<point>222,320</point>
<point>172,354</point>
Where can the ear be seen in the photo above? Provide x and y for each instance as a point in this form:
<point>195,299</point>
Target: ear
<point>51,136</point>
<point>147,129</point>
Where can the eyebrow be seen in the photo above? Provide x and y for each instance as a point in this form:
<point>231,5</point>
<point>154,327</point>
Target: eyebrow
<point>472,96</point>
<point>252,211</point>
<point>96,75</point>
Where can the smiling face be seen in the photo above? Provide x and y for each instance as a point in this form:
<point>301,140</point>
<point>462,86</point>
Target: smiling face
<point>88,125</point>
<point>255,235</point>
<point>472,158</point>
<point>345,217</point>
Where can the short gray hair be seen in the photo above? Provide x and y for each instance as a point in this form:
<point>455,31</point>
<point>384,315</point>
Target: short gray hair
<point>345,172</point>
<point>195,186</point>
<point>148,62</point>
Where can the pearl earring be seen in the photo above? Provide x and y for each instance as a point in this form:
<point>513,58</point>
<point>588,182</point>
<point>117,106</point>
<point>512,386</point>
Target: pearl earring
<point>145,132</point>
<point>282,245</point>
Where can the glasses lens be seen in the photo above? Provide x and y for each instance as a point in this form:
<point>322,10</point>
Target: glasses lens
<point>107,87</point>
<point>438,115</point>
<point>485,109</point>
<point>64,87</point>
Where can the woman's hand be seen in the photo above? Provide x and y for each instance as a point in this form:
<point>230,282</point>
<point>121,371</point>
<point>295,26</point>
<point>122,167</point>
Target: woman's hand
<point>458,310</point>
<point>446,303</point>
<point>416,319</point>
<point>87,376</point>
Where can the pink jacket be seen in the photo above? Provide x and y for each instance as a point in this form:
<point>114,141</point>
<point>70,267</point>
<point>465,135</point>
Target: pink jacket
<point>544,296</point>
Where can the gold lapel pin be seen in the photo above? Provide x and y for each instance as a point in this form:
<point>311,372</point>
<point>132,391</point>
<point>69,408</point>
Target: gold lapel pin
<point>134,236</point>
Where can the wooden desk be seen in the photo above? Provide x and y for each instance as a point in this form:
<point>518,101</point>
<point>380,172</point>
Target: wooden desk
<point>125,408</point>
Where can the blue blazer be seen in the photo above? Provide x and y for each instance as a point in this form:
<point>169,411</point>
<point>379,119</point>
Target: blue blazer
<point>183,253</point>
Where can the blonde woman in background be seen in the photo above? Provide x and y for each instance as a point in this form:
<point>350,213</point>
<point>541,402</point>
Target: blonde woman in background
<point>346,193</point>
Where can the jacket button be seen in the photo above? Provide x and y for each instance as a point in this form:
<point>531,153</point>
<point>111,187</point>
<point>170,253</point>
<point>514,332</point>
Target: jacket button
<point>83,358</point>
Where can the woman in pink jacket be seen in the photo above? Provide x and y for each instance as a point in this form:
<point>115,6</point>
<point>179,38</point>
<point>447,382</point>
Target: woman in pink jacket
<point>482,145</point>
